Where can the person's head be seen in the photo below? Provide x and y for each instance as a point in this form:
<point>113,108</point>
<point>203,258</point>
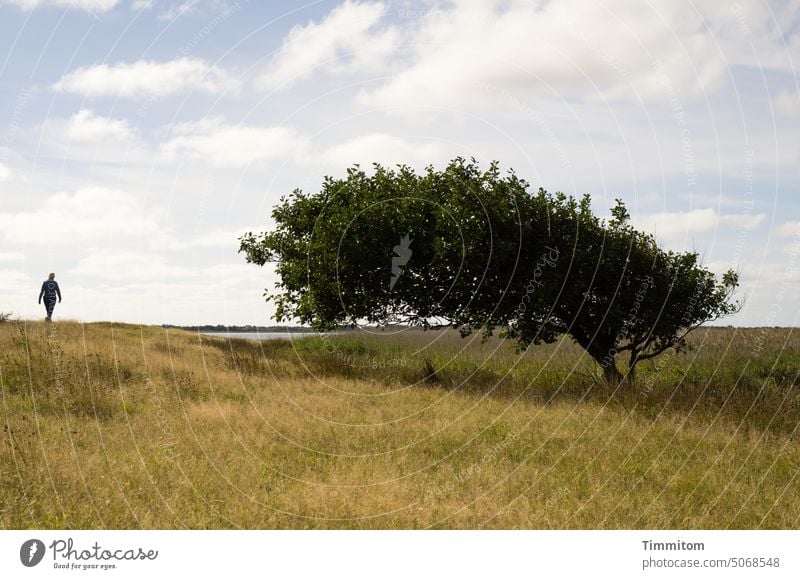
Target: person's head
<point>51,276</point>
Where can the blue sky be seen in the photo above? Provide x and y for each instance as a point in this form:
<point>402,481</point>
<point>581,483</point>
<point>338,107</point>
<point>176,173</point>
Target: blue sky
<point>139,139</point>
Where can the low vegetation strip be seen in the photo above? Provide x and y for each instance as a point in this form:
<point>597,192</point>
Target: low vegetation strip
<point>121,426</point>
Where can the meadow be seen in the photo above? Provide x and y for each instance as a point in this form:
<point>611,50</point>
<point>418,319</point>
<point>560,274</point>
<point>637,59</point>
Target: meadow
<point>121,426</point>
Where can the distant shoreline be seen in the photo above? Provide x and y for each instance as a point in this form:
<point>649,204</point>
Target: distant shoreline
<point>219,329</point>
<point>247,329</point>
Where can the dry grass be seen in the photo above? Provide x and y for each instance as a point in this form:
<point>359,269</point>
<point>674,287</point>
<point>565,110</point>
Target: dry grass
<point>128,427</point>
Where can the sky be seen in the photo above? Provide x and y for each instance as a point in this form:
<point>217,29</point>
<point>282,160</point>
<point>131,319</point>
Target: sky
<point>140,138</point>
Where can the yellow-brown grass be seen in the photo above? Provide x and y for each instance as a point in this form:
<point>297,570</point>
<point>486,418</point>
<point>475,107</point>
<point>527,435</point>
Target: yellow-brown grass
<point>117,426</point>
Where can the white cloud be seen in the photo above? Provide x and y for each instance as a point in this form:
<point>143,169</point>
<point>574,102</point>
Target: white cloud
<point>219,238</point>
<point>87,5</point>
<point>683,223</point>
<point>348,40</point>
<point>226,145</point>
<point>788,229</point>
<point>385,149</point>
<point>680,223</point>
<point>5,173</point>
<point>86,137</point>
<point>11,281</point>
<point>89,214</point>
<point>742,220</point>
<point>179,9</point>
<point>86,126</point>
<point>154,294</point>
<point>172,10</point>
<point>131,266</point>
<point>792,249</point>
<point>788,103</point>
<point>481,52</point>
<point>11,256</point>
<point>231,273</point>
<point>649,197</point>
<point>145,78</point>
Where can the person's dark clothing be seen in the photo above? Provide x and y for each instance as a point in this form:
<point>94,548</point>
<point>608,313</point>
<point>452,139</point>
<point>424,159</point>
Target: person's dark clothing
<point>50,292</point>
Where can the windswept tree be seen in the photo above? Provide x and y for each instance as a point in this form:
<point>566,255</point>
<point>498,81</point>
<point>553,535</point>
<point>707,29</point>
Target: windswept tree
<point>475,249</point>
<point>621,296</point>
<point>465,234</point>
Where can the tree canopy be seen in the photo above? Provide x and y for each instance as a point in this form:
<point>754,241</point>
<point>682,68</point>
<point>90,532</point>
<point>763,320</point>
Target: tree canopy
<point>478,250</point>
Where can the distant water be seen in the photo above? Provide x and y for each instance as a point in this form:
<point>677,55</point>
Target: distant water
<point>260,336</point>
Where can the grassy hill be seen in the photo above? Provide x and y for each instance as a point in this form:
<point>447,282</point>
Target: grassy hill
<point>121,426</point>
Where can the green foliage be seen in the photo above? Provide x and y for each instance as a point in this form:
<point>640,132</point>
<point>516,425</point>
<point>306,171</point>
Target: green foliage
<point>469,248</point>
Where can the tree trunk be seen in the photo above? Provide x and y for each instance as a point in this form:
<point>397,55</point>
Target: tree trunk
<point>605,356</point>
<point>611,373</point>
<point>630,376</point>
